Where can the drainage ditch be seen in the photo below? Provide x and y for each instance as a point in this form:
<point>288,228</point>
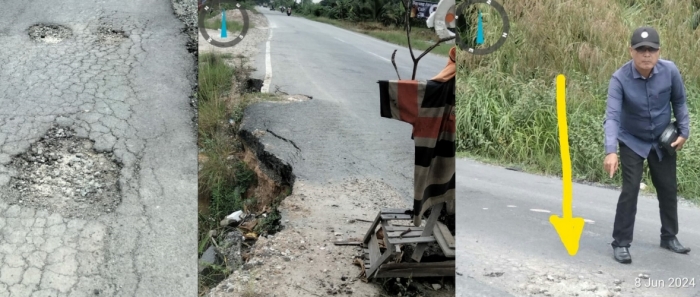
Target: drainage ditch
<point>63,174</point>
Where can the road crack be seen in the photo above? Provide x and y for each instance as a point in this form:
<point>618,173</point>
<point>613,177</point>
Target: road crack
<point>282,138</point>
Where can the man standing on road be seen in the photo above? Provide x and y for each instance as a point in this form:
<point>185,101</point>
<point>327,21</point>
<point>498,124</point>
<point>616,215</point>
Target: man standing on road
<point>641,95</point>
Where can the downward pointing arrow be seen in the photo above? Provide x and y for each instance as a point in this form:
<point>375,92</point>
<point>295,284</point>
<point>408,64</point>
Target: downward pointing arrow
<point>568,227</point>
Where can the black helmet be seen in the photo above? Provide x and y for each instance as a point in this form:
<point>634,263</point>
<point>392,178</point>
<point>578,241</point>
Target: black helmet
<point>668,137</point>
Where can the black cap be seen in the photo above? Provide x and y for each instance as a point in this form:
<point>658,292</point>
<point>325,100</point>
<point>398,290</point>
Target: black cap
<point>645,36</point>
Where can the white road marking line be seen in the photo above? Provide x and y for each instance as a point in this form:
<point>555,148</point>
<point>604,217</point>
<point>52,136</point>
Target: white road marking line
<point>385,59</point>
<point>268,67</point>
<point>340,40</point>
<point>539,210</point>
<point>589,221</point>
<point>512,206</point>
<point>486,208</point>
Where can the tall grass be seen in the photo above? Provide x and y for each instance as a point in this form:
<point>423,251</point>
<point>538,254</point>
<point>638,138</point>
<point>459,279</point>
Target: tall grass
<point>506,100</point>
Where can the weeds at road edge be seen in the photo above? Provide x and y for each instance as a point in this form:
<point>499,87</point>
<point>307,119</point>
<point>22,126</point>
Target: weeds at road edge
<point>226,181</point>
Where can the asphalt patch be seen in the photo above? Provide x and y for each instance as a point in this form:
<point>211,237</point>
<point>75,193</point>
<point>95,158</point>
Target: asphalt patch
<point>108,35</point>
<point>49,33</point>
<point>63,174</point>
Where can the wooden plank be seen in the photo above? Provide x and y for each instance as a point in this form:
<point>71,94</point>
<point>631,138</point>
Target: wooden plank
<point>427,239</point>
<point>396,217</point>
<point>373,252</point>
<point>390,228</point>
<point>450,253</point>
<point>347,242</point>
<point>428,230</point>
<point>437,269</point>
<point>411,233</point>
<point>382,259</point>
<point>448,264</point>
<point>371,229</point>
<point>396,211</point>
<point>447,235</point>
<point>385,224</point>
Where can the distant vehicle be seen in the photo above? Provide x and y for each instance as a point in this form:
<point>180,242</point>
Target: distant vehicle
<point>289,11</point>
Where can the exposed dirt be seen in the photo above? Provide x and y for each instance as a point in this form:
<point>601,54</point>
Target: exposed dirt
<point>302,260</point>
<point>267,189</point>
<point>64,174</point>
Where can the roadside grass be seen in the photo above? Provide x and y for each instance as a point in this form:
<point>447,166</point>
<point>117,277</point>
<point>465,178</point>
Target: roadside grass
<point>506,105</point>
<point>421,38</point>
<point>224,178</point>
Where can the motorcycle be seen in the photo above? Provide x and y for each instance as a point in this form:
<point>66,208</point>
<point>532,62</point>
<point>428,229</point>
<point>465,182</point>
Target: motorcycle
<point>289,11</point>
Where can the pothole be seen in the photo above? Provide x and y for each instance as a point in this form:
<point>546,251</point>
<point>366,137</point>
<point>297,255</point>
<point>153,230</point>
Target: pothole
<point>254,85</point>
<point>109,35</point>
<point>49,33</point>
<point>62,173</point>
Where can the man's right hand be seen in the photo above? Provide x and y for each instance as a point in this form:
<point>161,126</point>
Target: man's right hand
<point>610,164</point>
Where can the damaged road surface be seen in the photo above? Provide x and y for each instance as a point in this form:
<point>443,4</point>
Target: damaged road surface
<point>507,243</point>
<point>345,161</point>
<point>97,150</point>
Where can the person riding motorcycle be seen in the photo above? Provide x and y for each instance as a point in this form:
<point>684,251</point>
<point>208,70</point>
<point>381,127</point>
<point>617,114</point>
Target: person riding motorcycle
<point>289,11</point>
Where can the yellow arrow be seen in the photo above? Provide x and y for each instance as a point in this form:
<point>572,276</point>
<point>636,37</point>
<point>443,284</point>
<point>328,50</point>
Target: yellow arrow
<point>568,227</point>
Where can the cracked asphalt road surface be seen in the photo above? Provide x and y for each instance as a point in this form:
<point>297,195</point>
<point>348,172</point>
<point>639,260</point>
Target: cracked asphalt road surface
<point>339,133</point>
<point>503,226</point>
<point>128,94</point>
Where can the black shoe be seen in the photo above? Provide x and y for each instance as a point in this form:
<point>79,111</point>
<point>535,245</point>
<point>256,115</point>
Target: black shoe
<point>622,255</point>
<point>675,246</point>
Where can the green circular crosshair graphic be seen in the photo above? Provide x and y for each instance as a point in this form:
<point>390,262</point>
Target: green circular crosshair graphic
<point>209,7</point>
<point>478,45</point>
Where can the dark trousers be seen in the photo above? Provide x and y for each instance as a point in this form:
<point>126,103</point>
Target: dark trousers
<point>663,176</point>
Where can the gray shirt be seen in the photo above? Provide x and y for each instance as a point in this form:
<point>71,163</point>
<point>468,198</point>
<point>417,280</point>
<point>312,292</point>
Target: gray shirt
<point>639,109</point>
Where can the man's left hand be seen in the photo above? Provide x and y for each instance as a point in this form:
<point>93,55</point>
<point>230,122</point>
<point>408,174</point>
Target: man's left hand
<point>678,144</point>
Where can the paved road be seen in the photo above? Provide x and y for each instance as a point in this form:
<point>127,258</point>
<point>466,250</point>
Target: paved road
<point>339,133</point>
<point>129,94</point>
<point>498,232</point>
